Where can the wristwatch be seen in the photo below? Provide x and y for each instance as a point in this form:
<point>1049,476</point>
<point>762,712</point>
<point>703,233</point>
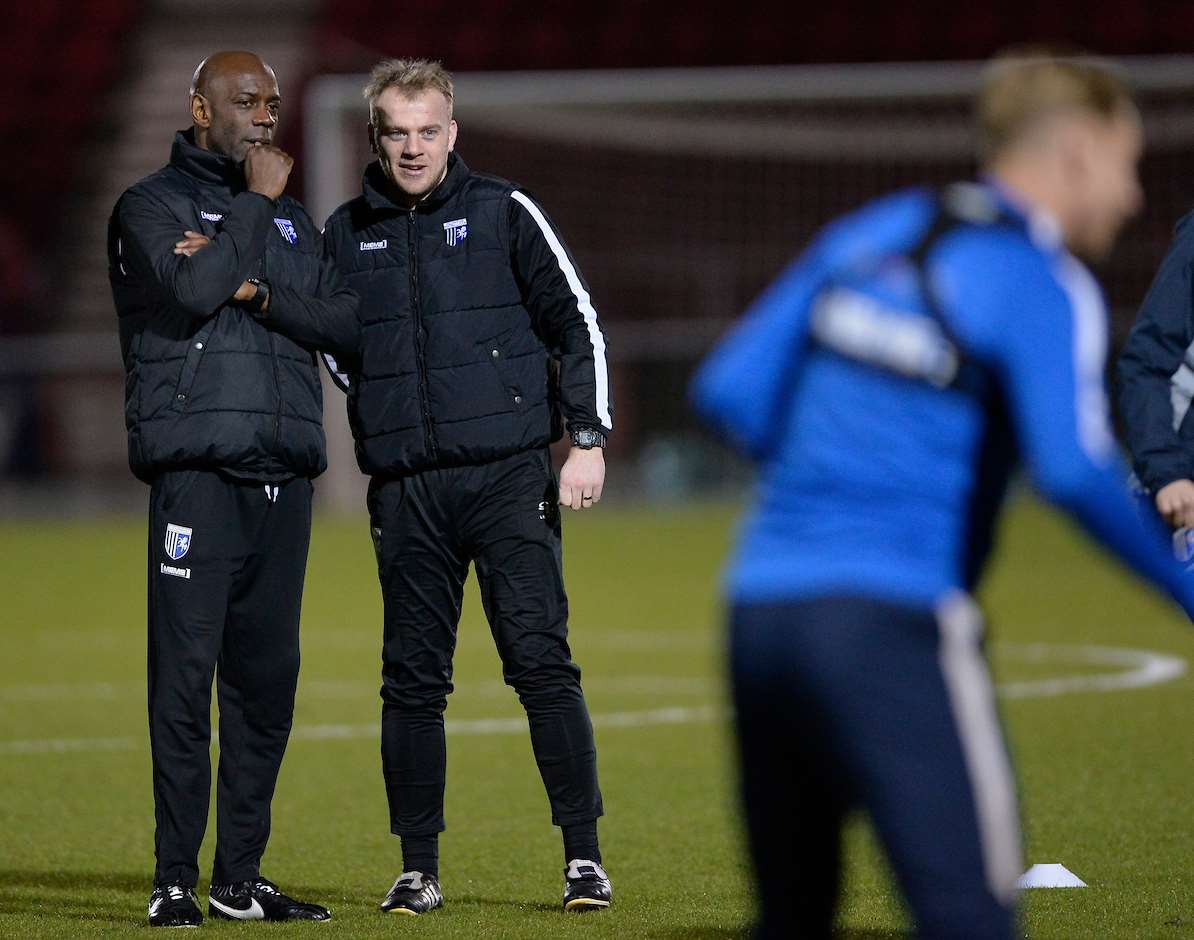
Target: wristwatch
<point>260,299</point>
<point>587,438</point>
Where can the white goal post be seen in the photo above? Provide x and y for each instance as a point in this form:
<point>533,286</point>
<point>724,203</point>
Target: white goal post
<point>549,105</point>
<point>803,142</point>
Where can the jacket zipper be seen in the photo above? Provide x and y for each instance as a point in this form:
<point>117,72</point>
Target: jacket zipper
<point>273,356</point>
<point>420,357</point>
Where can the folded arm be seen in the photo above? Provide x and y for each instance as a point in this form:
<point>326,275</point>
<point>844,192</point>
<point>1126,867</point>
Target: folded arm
<point>199,282</point>
<point>325,319</point>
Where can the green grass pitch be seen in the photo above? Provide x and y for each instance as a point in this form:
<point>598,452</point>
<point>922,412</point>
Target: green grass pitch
<point>1107,778</point>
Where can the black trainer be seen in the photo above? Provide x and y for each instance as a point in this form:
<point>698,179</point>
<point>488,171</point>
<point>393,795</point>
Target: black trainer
<point>586,886</point>
<point>174,906</point>
<point>259,899</point>
<point>413,893</point>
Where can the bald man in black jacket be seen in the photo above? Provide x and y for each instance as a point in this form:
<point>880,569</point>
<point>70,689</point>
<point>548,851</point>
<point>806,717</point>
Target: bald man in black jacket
<point>224,415</point>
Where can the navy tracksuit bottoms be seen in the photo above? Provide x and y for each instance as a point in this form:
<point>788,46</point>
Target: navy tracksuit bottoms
<point>846,702</point>
<point>226,566</point>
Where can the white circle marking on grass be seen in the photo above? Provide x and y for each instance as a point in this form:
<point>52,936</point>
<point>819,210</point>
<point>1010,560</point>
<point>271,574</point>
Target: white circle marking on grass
<point>1139,669</point>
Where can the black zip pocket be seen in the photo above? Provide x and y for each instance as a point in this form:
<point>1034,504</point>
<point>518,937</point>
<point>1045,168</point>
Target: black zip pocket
<point>496,351</point>
<point>196,347</point>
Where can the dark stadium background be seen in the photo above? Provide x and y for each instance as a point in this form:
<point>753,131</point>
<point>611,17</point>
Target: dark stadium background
<point>93,89</point>
<point>679,208</point>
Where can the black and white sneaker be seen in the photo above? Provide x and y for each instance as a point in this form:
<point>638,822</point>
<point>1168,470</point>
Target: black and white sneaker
<point>586,886</point>
<point>259,899</point>
<point>174,906</point>
<point>413,893</point>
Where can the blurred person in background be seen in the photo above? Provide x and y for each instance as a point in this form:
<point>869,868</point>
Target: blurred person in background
<point>1156,387</point>
<point>478,335</point>
<point>886,385</point>
<point>224,415</point>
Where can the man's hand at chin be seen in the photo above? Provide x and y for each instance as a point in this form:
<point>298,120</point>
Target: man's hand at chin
<point>267,170</point>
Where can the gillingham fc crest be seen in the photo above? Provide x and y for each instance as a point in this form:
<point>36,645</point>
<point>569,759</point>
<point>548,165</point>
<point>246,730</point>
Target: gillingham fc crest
<point>286,227</point>
<point>178,540</point>
<point>455,232</point>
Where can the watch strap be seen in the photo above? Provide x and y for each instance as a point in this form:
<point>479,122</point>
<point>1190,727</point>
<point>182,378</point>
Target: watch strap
<point>586,437</point>
<point>257,303</point>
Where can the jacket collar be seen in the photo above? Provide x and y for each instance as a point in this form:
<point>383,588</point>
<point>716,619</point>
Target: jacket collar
<point>207,166</point>
<point>1042,226</point>
<point>379,190</point>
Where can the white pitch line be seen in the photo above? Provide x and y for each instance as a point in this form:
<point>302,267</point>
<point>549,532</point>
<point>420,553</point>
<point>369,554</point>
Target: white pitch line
<point>350,689</point>
<point>491,726</point>
<point>53,691</point>
<point>69,745</point>
<point>1142,668</point>
<point>333,732</point>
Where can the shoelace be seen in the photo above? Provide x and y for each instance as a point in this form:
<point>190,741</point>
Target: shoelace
<point>176,892</point>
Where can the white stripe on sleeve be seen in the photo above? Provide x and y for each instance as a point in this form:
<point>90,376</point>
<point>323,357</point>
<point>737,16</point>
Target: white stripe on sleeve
<point>339,379</point>
<point>583,304</point>
<point>1090,354</point>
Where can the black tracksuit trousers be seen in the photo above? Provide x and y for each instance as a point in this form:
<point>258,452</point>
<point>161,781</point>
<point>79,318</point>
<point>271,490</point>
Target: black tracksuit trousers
<point>226,566</point>
<point>427,528</point>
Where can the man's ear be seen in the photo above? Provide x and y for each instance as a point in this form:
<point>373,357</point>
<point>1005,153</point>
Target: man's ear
<point>1075,146</point>
<point>372,132</point>
<point>452,135</point>
<point>200,111</point>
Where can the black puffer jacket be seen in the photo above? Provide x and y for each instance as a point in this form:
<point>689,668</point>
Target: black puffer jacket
<point>477,332</point>
<point>208,386</point>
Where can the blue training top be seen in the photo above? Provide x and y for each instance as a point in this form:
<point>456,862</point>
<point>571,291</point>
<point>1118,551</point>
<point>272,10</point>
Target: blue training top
<point>874,382</point>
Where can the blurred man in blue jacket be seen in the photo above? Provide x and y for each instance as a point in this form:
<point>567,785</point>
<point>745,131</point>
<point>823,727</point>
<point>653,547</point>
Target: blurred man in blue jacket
<point>1156,386</point>
<point>887,384</point>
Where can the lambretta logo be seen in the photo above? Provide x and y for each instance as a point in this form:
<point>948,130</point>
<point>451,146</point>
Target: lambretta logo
<point>211,216</point>
<point>176,572</point>
<point>374,246</point>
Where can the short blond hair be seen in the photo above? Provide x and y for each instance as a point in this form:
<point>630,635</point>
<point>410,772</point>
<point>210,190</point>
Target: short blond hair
<point>1026,86</point>
<point>409,76</point>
